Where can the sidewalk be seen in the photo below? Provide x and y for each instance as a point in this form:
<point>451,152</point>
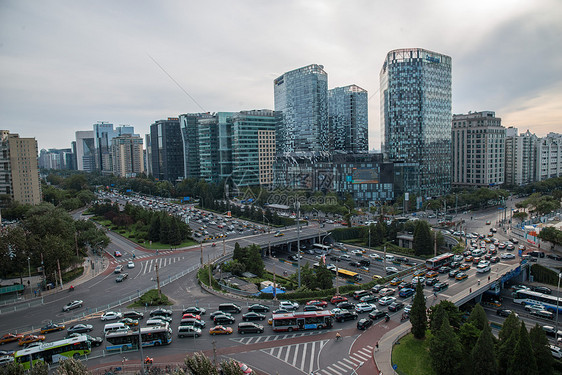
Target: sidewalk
<point>383,357</point>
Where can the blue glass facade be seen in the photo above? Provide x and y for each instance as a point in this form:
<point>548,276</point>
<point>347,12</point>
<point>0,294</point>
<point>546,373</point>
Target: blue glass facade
<point>166,149</point>
<point>415,87</point>
<point>301,97</point>
<point>348,116</point>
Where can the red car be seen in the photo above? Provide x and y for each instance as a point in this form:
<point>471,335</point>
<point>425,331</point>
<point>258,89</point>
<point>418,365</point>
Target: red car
<point>117,254</point>
<point>191,316</point>
<point>337,299</point>
<point>316,302</point>
<point>9,337</point>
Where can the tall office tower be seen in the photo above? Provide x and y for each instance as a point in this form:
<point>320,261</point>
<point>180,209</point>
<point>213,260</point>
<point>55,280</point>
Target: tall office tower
<point>520,159</point>
<point>301,97</point>
<point>54,158</point>
<point>127,155</point>
<point>167,149</point>
<point>415,91</point>
<point>148,155</point>
<point>19,175</point>
<point>224,134</point>
<point>103,134</point>
<point>246,127</point>
<point>85,151</point>
<point>478,149</point>
<point>548,157</point>
<point>189,124</point>
<point>266,156</point>
<point>348,115</point>
<point>73,160</point>
<point>208,148</point>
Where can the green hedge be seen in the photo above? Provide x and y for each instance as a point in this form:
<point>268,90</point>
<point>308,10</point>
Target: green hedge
<point>73,274</point>
<point>151,298</point>
<point>544,275</point>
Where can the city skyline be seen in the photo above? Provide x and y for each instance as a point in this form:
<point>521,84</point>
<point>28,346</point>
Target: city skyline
<point>68,65</point>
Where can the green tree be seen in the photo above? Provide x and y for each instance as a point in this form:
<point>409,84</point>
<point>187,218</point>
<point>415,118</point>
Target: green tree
<point>71,367</point>
<point>199,364</point>
<point>308,277</point>
<point>254,262</point>
<point>324,278</point>
<point>445,350</point>
<point>508,336</point>
<point>423,240</point>
<point>453,313</point>
<point>523,361</point>
<point>468,335</point>
<point>239,253</point>
<point>540,344</point>
<point>231,367</point>
<point>521,215</point>
<point>436,318</point>
<point>483,354</point>
<point>478,317</point>
<point>418,316</point>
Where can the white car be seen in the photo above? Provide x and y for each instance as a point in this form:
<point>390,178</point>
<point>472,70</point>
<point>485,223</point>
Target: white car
<point>418,279</point>
<point>384,301</point>
<point>130,264</point>
<point>288,305</point>
<point>111,315</point>
<point>375,256</point>
<point>364,307</point>
<point>555,351</point>
<point>507,256</point>
<point>356,252</point>
<point>391,270</point>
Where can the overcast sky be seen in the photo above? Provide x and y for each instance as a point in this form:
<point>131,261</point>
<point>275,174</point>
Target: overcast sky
<point>64,65</point>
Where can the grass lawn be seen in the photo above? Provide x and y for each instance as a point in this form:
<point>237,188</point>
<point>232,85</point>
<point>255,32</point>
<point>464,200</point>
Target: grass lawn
<point>412,356</point>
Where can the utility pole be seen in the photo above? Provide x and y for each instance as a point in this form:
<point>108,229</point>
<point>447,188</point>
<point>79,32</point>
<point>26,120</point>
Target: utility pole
<point>337,284</point>
<point>201,253</point>
<point>158,281</point>
<point>223,245</point>
<point>435,243</point>
<point>60,274</point>
<point>209,265</point>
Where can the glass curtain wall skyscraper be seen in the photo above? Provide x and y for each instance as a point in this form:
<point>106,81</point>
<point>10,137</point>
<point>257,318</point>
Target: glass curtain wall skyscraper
<point>348,116</point>
<point>415,91</point>
<point>166,149</point>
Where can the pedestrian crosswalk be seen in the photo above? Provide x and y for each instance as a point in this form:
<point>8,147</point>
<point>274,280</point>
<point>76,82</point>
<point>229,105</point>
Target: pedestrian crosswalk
<point>259,338</point>
<point>349,364</point>
<point>151,264</point>
<point>300,356</point>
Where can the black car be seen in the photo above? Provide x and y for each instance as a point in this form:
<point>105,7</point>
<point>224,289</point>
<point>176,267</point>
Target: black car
<point>280,311</point>
<point>336,258</point>
<point>161,312</point>
<point>503,312</point>
<point>455,265</point>
<point>453,273</point>
<point>133,315</point>
<point>80,328</point>
<point>194,310</point>
<point>444,269</point>
<point>440,286</point>
<point>258,308</point>
<point>377,288</point>
<point>95,341</point>
<point>431,281</point>
<point>346,306</point>
<point>395,306</point>
<point>250,328</point>
<point>216,313</point>
<point>375,315</point>
<point>354,264</point>
<point>252,316</point>
<point>554,256</point>
<point>363,324</point>
<point>346,315</point>
<point>542,289</point>
<point>406,285</point>
<point>223,319</point>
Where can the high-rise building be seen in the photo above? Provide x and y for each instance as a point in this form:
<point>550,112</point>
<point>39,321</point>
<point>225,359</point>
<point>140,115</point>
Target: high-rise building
<point>520,161</point>
<point>266,156</point>
<point>548,157</point>
<point>54,158</point>
<point>148,155</point>
<point>189,124</point>
<point>348,116</point>
<point>103,134</point>
<point>19,171</point>
<point>85,151</point>
<point>246,142</point>
<point>166,149</point>
<point>301,98</point>
<point>478,147</point>
<point>127,155</point>
<point>208,130</point>
<point>415,91</point>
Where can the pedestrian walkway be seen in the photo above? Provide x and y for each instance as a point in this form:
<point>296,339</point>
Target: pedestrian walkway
<point>383,357</point>
<point>260,338</point>
<point>300,356</point>
<point>349,364</point>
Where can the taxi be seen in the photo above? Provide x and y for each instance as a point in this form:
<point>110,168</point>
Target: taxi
<point>395,281</point>
<point>469,258</point>
<point>52,327</point>
<point>464,267</point>
<point>129,322</point>
<point>10,337</point>
<point>220,330</point>
<point>431,274</point>
<point>461,276</point>
<point>28,339</point>
<point>420,272</point>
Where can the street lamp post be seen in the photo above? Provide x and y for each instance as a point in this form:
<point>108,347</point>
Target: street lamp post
<point>29,267</point>
<point>557,299</point>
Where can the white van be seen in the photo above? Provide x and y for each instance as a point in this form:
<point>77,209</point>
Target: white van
<point>483,268</point>
<point>156,322</point>
<point>111,327</point>
<point>389,258</point>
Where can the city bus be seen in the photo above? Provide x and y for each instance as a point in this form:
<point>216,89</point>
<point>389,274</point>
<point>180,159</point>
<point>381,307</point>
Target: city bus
<point>325,249</point>
<point>54,352</point>
<point>128,340</point>
<point>298,321</point>
<point>343,273</point>
<point>528,297</point>
<point>439,261</point>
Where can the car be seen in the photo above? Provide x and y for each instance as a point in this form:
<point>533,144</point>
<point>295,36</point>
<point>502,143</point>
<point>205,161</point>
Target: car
<point>488,222</point>
<point>73,305</point>
<point>377,314</point>
<point>312,308</point>
<point>431,274</point>
<point>6,360</point>
<point>194,310</point>
<point>387,292</point>
<point>189,331</point>
<point>251,316</point>
<point>117,254</point>
<point>444,269</point>
<point>337,299</point>
<point>520,287</point>
<point>111,315</point>
<point>216,313</point>
<point>377,288</point>
<point>420,272</point>
<point>121,277</point>
<point>278,234</point>
<point>118,269</point>
<point>406,285</point>
<point>505,312</point>
<point>554,256</point>
<point>10,337</point>
<point>130,264</point>
<point>432,281</point>
<point>384,301</point>
<point>542,289</point>
<point>346,315</point>
<point>161,312</point>
<point>468,259</point>
<point>288,305</point>
<point>133,315</point>
<point>507,256</point>
<point>395,281</point>
<point>464,267</point>
<point>363,324</point>
<point>461,276</point>
<point>52,327</point>
<point>193,322</point>
<point>190,316</point>
<point>395,306</point>
<point>418,279</point>
<point>224,319</point>
<point>551,331</point>
<point>95,341</point>
<point>245,369</point>
<point>257,307</point>
<point>281,311</point>
<point>80,328</point>
<point>364,307</point>
<point>369,299</point>
<point>555,351</point>
<point>346,306</point>
<point>534,307</point>
<point>543,314</point>
<point>129,322</point>
<point>455,265</point>
<point>494,259</point>
<point>440,286</point>
<point>407,292</point>
<point>250,327</point>
<point>220,330</point>
<point>391,270</point>
<point>28,339</point>
<point>318,303</point>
